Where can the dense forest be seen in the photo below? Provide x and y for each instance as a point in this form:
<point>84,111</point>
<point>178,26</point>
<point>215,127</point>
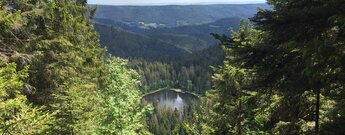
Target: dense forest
<point>170,55</point>
<point>190,73</point>
<point>280,72</point>
<point>166,61</point>
<point>282,75</point>
<point>56,79</point>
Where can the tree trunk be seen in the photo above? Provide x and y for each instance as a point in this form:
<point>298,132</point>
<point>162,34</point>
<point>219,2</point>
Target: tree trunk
<point>239,126</point>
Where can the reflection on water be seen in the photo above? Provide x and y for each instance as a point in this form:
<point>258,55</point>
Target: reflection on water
<point>171,99</point>
<point>178,102</point>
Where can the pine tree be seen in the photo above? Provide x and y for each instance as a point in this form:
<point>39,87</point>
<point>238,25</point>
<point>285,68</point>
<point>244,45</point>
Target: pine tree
<point>304,54</point>
<point>57,51</point>
<point>234,105</point>
<point>121,102</point>
<point>17,116</point>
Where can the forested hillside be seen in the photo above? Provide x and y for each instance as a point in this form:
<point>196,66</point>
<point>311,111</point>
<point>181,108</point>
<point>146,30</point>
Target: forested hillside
<point>190,73</point>
<point>161,51</point>
<point>280,72</point>
<point>173,16</point>
<point>201,31</point>
<point>163,42</point>
<point>169,57</point>
<point>127,44</point>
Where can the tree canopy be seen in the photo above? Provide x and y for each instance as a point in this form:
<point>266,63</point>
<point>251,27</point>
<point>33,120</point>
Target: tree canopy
<point>287,67</point>
<point>55,78</point>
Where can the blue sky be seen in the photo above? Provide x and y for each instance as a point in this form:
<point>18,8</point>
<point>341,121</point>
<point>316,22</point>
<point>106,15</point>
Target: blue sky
<point>170,2</point>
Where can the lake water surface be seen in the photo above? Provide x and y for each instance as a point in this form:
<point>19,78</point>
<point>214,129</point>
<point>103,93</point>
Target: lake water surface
<point>172,98</point>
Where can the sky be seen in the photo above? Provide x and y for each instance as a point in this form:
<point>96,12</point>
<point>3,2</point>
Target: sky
<point>171,2</point>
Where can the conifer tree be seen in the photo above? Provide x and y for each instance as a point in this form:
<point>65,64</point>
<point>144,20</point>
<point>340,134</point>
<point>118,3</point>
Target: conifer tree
<point>17,116</point>
<point>121,110</point>
<point>233,105</point>
<point>58,56</point>
<point>304,48</point>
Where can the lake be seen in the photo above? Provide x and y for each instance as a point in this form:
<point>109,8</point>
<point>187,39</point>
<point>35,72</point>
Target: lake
<point>172,98</point>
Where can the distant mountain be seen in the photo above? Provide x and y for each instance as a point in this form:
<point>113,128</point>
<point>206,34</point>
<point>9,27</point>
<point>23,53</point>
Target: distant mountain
<point>127,44</point>
<point>202,31</point>
<point>160,32</point>
<point>170,46</point>
<point>162,42</point>
<point>147,17</point>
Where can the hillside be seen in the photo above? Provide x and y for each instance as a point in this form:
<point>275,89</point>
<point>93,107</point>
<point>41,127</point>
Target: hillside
<point>157,70</point>
<point>127,44</point>
<point>167,31</point>
<point>203,31</point>
<point>173,16</point>
<point>190,72</point>
<point>162,42</point>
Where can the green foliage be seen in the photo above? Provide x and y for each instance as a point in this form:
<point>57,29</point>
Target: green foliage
<point>17,116</point>
<point>168,121</point>
<point>283,77</point>
<point>203,118</point>
<point>120,101</point>
<point>303,57</point>
<point>190,73</point>
<point>67,87</point>
<point>232,106</point>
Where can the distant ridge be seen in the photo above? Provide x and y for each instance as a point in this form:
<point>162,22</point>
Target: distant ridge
<point>178,15</point>
<point>178,3</point>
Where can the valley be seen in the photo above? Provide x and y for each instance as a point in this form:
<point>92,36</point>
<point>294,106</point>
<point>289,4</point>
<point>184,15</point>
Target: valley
<point>173,15</point>
<point>171,47</point>
<point>172,67</point>
<point>170,55</point>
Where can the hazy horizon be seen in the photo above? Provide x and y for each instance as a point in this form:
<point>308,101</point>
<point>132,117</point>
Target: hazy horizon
<point>170,2</point>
